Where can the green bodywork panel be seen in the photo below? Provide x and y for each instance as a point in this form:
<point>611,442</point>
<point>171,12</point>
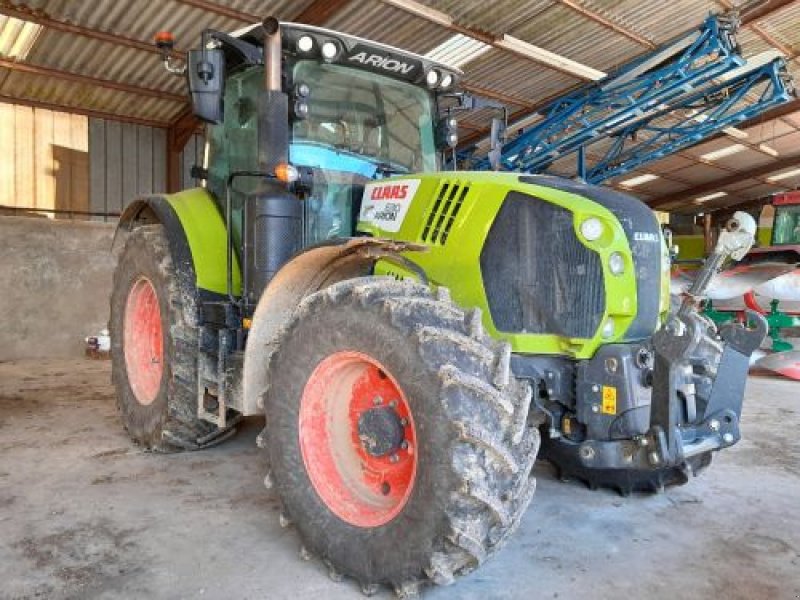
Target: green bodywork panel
<point>690,247</point>
<point>456,263</point>
<point>204,227</point>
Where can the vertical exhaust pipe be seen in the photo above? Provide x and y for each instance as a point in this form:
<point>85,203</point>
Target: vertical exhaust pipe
<point>273,217</point>
<point>272,54</point>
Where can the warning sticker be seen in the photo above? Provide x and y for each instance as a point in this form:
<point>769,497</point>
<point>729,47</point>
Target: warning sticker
<point>609,406</point>
<point>385,205</point>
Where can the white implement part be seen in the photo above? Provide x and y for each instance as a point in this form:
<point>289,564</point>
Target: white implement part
<point>785,288</point>
<point>743,279</point>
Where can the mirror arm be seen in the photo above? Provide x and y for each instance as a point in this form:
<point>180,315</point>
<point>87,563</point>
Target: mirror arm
<point>252,55</point>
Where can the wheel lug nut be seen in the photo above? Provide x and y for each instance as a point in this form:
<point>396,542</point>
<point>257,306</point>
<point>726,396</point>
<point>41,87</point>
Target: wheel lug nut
<point>404,445</point>
<point>393,403</point>
<point>394,458</point>
<point>377,400</point>
<point>404,422</point>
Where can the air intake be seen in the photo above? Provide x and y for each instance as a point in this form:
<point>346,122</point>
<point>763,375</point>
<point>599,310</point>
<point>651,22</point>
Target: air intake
<point>449,198</point>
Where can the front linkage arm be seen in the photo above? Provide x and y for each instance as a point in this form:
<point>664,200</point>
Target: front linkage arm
<point>699,371</point>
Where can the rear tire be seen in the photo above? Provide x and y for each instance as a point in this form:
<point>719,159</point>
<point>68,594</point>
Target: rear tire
<point>158,405</point>
<point>475,446</point>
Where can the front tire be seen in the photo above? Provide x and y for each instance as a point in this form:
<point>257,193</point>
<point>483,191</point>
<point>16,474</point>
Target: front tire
<point>429,511</point>
<point>154,346</point>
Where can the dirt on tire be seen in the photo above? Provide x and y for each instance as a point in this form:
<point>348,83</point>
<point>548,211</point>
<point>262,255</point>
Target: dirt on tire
<point>476,444</point>
<point>170,421</point>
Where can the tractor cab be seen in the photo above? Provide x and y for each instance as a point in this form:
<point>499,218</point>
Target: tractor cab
<point>330,111</point>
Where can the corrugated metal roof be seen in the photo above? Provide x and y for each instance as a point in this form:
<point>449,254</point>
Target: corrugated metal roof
<point>17,37</point>
<point>496,18</point>
<point>552,25</point>
<point>511,74</point>
<point>658,21</point>
<point>559,29</point>
<point>383,23</point>
<point>79,95</point>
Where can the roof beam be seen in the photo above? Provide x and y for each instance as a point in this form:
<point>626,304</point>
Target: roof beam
<point>93,81</point>
<point>319,12</point>
<point>95,34</point>
<point>786,50</point>
<point>712,186</point>
<point>784,110</point>
<point>224,11</point>
<point>507,43</point>
<point>758,30</point>
<point>97,114</point>
<point>608,23</point>
<point>761,10</point>
<point>494,95</point>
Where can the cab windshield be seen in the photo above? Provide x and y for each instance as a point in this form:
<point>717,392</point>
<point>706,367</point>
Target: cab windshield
<point>362,122</point>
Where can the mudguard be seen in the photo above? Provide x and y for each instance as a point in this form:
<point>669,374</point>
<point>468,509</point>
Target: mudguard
<point>309,271</point>
<point>196,233</point>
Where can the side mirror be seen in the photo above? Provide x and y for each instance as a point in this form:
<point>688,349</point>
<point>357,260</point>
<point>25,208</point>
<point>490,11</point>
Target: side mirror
<point>206,76</point>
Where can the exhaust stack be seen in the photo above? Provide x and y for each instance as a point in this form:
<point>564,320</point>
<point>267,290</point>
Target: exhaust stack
<point>273,217</point>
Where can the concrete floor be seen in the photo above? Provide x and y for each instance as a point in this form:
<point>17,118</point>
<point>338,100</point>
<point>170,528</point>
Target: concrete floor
<point>85,514</point>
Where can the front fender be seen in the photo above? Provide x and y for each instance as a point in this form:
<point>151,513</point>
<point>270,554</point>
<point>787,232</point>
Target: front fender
<point>312,270</point>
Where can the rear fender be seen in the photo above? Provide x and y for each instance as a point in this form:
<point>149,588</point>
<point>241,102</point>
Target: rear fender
<point>312,270</point>
<point>196,233</point>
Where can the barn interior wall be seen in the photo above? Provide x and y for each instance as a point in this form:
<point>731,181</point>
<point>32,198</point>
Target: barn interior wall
<point>56,281</point>
<point>56,266</point>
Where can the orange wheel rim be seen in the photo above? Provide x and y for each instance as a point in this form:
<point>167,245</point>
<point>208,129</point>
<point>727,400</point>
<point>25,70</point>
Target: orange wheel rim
<point>143,341</point>
<point>358,439</point>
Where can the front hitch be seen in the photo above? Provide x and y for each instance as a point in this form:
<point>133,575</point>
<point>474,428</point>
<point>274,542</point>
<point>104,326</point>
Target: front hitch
<point>699,371</point>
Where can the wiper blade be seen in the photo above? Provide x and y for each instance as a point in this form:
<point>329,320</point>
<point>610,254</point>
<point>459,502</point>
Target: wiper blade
<point>389,169</point>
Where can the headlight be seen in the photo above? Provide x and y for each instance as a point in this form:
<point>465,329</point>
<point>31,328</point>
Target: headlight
<point>305,43</point>
<point>300,108</point>
<point>301,90</point>
<point>329,50</point>
<point>432,78</point>
<point>608,328</point>
<point>447,80</point>
<point>616,263</point>
<point>592,229</point>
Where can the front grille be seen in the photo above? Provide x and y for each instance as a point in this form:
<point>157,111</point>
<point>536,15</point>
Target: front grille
<point>644,238</point>
<point>538,277</point>
<point>448,200</point>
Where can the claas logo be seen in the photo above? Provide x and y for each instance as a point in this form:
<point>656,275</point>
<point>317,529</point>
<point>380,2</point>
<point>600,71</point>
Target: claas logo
<point>390,192</point>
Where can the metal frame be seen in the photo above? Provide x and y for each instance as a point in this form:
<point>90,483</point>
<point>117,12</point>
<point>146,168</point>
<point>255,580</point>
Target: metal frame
<point>667,100</point>
<point>708,111</point>
<point>630,105</point>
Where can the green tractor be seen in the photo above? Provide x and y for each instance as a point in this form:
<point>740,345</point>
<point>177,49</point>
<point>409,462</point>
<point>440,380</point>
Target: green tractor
<point>411,335</point>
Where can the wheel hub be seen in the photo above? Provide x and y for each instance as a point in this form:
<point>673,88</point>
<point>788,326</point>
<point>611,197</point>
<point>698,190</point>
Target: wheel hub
<point>380,431</point>
<point>359,451</point>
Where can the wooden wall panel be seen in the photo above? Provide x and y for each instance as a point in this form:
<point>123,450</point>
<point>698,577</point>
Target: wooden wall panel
<point>159,159</point>
<point>8,147</point>
<point>97,168</point>
<point>66,162</point>
<point>127,161</point>
<point>113,152</point>
<point>24,164</point>
<point>44,160</point>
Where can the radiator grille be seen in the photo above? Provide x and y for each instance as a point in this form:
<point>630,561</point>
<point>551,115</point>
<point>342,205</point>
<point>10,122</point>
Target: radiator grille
<point>449,198</point>
<point>539,278</point>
